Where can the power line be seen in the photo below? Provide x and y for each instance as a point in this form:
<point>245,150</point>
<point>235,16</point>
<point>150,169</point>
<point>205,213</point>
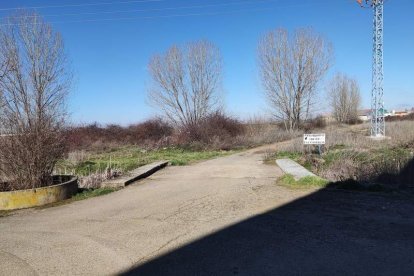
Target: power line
<point>160,9</point>
<point>178,15</point>
<point>82,5</point>
<point>152,17</point>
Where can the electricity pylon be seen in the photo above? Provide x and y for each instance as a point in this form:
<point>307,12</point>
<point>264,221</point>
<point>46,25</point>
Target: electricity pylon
<point>377,103</point>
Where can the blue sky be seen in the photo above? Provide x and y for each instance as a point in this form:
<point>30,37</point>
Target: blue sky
<point>110,51</point>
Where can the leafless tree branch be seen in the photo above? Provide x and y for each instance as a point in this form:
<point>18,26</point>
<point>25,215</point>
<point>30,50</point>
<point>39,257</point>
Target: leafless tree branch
<point>290,70</point>
<point>345,98</point>
<point>34,83</point>
<point>186,82</point>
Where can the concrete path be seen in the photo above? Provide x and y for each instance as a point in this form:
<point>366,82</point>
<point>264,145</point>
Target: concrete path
<point>293,168</point>
<point>112,233</point>
<point>220,217</point>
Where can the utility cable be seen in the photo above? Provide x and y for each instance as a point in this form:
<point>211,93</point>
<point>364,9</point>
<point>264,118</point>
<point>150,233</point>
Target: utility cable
<point>82,5</point>
<point>162,9</point>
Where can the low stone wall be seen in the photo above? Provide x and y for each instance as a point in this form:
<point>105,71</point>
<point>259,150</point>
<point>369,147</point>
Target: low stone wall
<point>40,196</point>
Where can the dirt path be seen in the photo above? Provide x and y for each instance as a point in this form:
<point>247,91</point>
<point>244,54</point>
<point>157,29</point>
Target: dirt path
<point>222,216</point>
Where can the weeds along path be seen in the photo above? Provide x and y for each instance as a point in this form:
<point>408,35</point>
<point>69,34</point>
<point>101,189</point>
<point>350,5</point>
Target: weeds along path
<point>111,233</point>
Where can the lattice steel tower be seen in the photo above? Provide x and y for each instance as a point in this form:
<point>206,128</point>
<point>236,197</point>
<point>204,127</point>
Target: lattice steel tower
<point>377,103</point>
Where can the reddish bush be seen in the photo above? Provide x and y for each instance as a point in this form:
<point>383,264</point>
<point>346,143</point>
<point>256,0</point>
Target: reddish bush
<point>82,137</point>
<point>96,136</point>
<point>150,130</point>
<point>216,131</point>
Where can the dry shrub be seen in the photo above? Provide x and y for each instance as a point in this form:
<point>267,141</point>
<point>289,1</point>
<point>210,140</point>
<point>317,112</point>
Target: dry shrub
<point>344,168</point>
<point>354,121</point>
<point>78,156</point>
<point>261,131</point>
<point>150,133</point>
<point>349,139</point>
<point>27,159</point>
<point>219,131</point>
<point>92,181</point>
<point>391,172</point>
<point>384,171</point>
<point>294,146</point>
<point>216,131</point>
<point>316,123</point>
<point>359,159</point>
<point>82,137</point>
<point>389,161</point>
<point>401,133</point>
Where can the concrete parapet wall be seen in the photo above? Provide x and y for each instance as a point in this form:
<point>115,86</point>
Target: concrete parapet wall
<point>39,196</point>
<point>132,176</point>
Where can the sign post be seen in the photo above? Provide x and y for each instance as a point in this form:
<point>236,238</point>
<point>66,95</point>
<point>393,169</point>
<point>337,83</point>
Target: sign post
<point>314,139</point>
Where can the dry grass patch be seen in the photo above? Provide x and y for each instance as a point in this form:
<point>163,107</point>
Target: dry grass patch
<point>351,156</point>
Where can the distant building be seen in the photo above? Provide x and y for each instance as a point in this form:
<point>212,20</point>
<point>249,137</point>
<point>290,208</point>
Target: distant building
<point>328,117</point>
<point>364,114</point>
<point>400,113</point>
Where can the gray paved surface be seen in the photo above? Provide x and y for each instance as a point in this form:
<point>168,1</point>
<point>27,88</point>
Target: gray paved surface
<point>220,217</point>
<point>326,233</point>
<point>291,167</point>
<point>109,234</point>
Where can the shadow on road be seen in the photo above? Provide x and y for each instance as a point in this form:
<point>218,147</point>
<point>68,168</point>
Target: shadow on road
<point>330,232</point>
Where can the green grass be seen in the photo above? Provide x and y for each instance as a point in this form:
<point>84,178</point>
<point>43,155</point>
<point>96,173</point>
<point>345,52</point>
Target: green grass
<point>270,158</point>
<point>303,183</point>
<point>338,147</point>
<point>369,156</point>
<point>125,158</point>
<point>295,156</point>
<point>128,158</point>
<point>392,153</point>
<point>92,193</point>
<point>339,152</point>
<point>376,159</point>
<point>331,156</point>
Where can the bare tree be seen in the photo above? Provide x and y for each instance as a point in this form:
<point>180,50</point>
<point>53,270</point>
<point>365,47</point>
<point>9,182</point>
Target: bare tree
<point>291,68</point>
<point>345,98</point>
<point>33,88</point>
<point>186,82</point>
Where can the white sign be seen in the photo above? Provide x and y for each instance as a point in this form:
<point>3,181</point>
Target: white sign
<point>314,139</point>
